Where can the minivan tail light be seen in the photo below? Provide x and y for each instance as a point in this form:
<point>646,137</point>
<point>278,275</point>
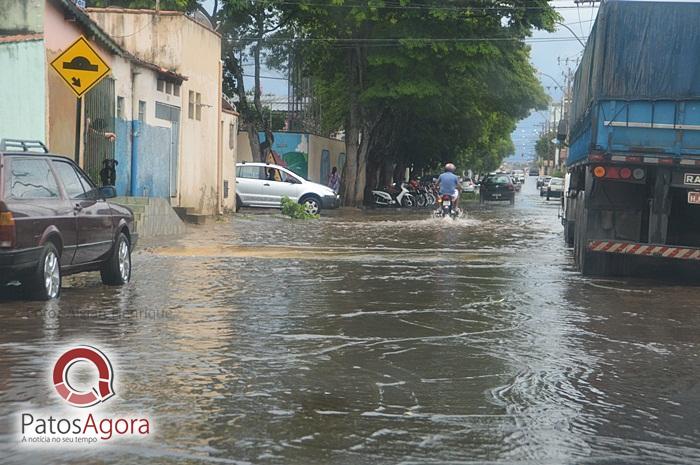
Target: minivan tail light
<point>7,230</point>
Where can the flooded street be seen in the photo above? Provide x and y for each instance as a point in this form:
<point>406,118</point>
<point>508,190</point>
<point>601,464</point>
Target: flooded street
<point>379,337</point>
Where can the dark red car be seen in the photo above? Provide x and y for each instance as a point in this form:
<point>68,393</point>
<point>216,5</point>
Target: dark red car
<point>55,221</point>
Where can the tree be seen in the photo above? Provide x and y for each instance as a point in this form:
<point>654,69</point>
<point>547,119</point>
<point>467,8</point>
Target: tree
<point>544,148</point>
<point>417,82</point>
<point>245,27</point>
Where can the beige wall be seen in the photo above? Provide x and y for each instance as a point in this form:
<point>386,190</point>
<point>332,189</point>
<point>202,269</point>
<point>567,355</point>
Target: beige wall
<point>317,145</point>
<point>229,145</point>
<point>243,147</point>
<point>178,43</point>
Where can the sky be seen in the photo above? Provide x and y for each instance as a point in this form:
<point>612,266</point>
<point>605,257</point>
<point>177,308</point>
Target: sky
<point>549,58</point>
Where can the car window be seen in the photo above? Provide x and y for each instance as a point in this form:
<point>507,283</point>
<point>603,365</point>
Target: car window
<point>31,179</point>
<point>71,182</point>
<point>290,178</point>
<point>88,185</point>
<point>250,172</point>
<point>498,179</point>
<point>273,174</point>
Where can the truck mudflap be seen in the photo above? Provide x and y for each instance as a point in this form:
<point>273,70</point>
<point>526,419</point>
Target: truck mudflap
<point>645,250</point>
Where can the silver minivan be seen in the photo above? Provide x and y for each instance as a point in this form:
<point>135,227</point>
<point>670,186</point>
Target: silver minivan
<point>264,185</point>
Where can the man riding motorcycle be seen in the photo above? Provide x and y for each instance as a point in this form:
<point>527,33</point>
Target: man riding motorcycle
<point>448,184</point>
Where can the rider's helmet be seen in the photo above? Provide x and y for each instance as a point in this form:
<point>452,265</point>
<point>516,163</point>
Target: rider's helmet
<point>450,167</point>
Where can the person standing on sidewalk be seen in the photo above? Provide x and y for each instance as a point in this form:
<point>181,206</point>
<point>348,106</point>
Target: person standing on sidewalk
<point>334,180</point>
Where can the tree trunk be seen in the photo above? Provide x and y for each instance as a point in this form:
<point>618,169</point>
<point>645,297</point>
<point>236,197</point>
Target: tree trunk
<point>350,170</point>
<point>260,123</point>
<point>254,142</point>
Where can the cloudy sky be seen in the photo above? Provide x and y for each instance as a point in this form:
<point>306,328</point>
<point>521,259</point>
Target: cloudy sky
<point>550,59</point>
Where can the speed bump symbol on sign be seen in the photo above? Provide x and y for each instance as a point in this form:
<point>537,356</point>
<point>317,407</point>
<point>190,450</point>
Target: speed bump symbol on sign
<point>80,66</point>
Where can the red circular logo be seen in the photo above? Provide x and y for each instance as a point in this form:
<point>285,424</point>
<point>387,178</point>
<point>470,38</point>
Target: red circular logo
<point>100,393</point>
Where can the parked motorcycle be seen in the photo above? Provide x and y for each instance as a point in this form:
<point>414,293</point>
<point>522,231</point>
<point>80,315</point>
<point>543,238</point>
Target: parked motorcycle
<point>400,198</point>
<point>446,208</point>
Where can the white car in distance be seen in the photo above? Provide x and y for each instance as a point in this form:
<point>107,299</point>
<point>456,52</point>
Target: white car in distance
<point>264,185</point>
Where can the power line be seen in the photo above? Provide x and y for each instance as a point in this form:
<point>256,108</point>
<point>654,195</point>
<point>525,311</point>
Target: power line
<point>438,7</point>
<point>397,40</point>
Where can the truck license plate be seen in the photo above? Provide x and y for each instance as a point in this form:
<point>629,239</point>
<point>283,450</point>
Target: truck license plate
<point>694,198</point>
<point>691,179</point>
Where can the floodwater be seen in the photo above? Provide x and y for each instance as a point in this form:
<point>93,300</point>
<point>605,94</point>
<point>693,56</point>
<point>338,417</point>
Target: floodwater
<point>379,337</point>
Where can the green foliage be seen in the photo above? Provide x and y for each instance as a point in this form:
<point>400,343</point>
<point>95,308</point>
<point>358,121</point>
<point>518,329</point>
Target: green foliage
<point>557,173</point>
<point>422,81</point>
<point>544,148</point>
<point>296,210</point>
<point>424,71</point>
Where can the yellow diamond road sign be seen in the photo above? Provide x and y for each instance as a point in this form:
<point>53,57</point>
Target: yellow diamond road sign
<point>80,66</point>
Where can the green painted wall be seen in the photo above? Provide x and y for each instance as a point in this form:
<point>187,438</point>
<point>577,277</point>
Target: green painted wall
<point>21,17</point>
<point>23,90</point>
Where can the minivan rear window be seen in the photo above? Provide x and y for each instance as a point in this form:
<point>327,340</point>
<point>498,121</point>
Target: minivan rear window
<point>30,178</point>
<point>250,172</point>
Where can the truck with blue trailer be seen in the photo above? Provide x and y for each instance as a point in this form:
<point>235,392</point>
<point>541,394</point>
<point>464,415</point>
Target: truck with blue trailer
<point>633,197</point>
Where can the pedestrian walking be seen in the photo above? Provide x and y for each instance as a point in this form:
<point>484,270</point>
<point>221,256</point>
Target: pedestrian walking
<point>334,180</point>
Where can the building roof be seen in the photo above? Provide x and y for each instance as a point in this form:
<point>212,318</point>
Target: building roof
<point>144,11</point>
<point>166,74</point>
<point>228,107</point>
<point>20,38</point>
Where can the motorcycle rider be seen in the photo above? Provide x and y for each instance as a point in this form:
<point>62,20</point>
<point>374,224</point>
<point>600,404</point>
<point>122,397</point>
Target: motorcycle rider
<point>448,184</point>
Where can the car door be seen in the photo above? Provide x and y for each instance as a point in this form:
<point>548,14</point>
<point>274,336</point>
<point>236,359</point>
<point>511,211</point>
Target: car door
<point>280,184</point>
<point>249,184</point>
<point>95,229</point>
<point>33,196</point>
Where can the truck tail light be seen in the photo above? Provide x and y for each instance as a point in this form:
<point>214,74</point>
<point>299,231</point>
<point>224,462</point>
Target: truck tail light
<point>638,174</point>
<point>7,230</point>
<point>625,173</point>
<point>599,171</point>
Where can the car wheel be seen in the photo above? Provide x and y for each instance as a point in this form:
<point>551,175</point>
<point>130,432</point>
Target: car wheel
<point>239,204</point>
<point>312,205</point>
<point>117,270</point>
<point>45,282</point>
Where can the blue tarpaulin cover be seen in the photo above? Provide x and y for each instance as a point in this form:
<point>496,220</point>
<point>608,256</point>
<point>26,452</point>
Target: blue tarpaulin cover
<point>639,50</point>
